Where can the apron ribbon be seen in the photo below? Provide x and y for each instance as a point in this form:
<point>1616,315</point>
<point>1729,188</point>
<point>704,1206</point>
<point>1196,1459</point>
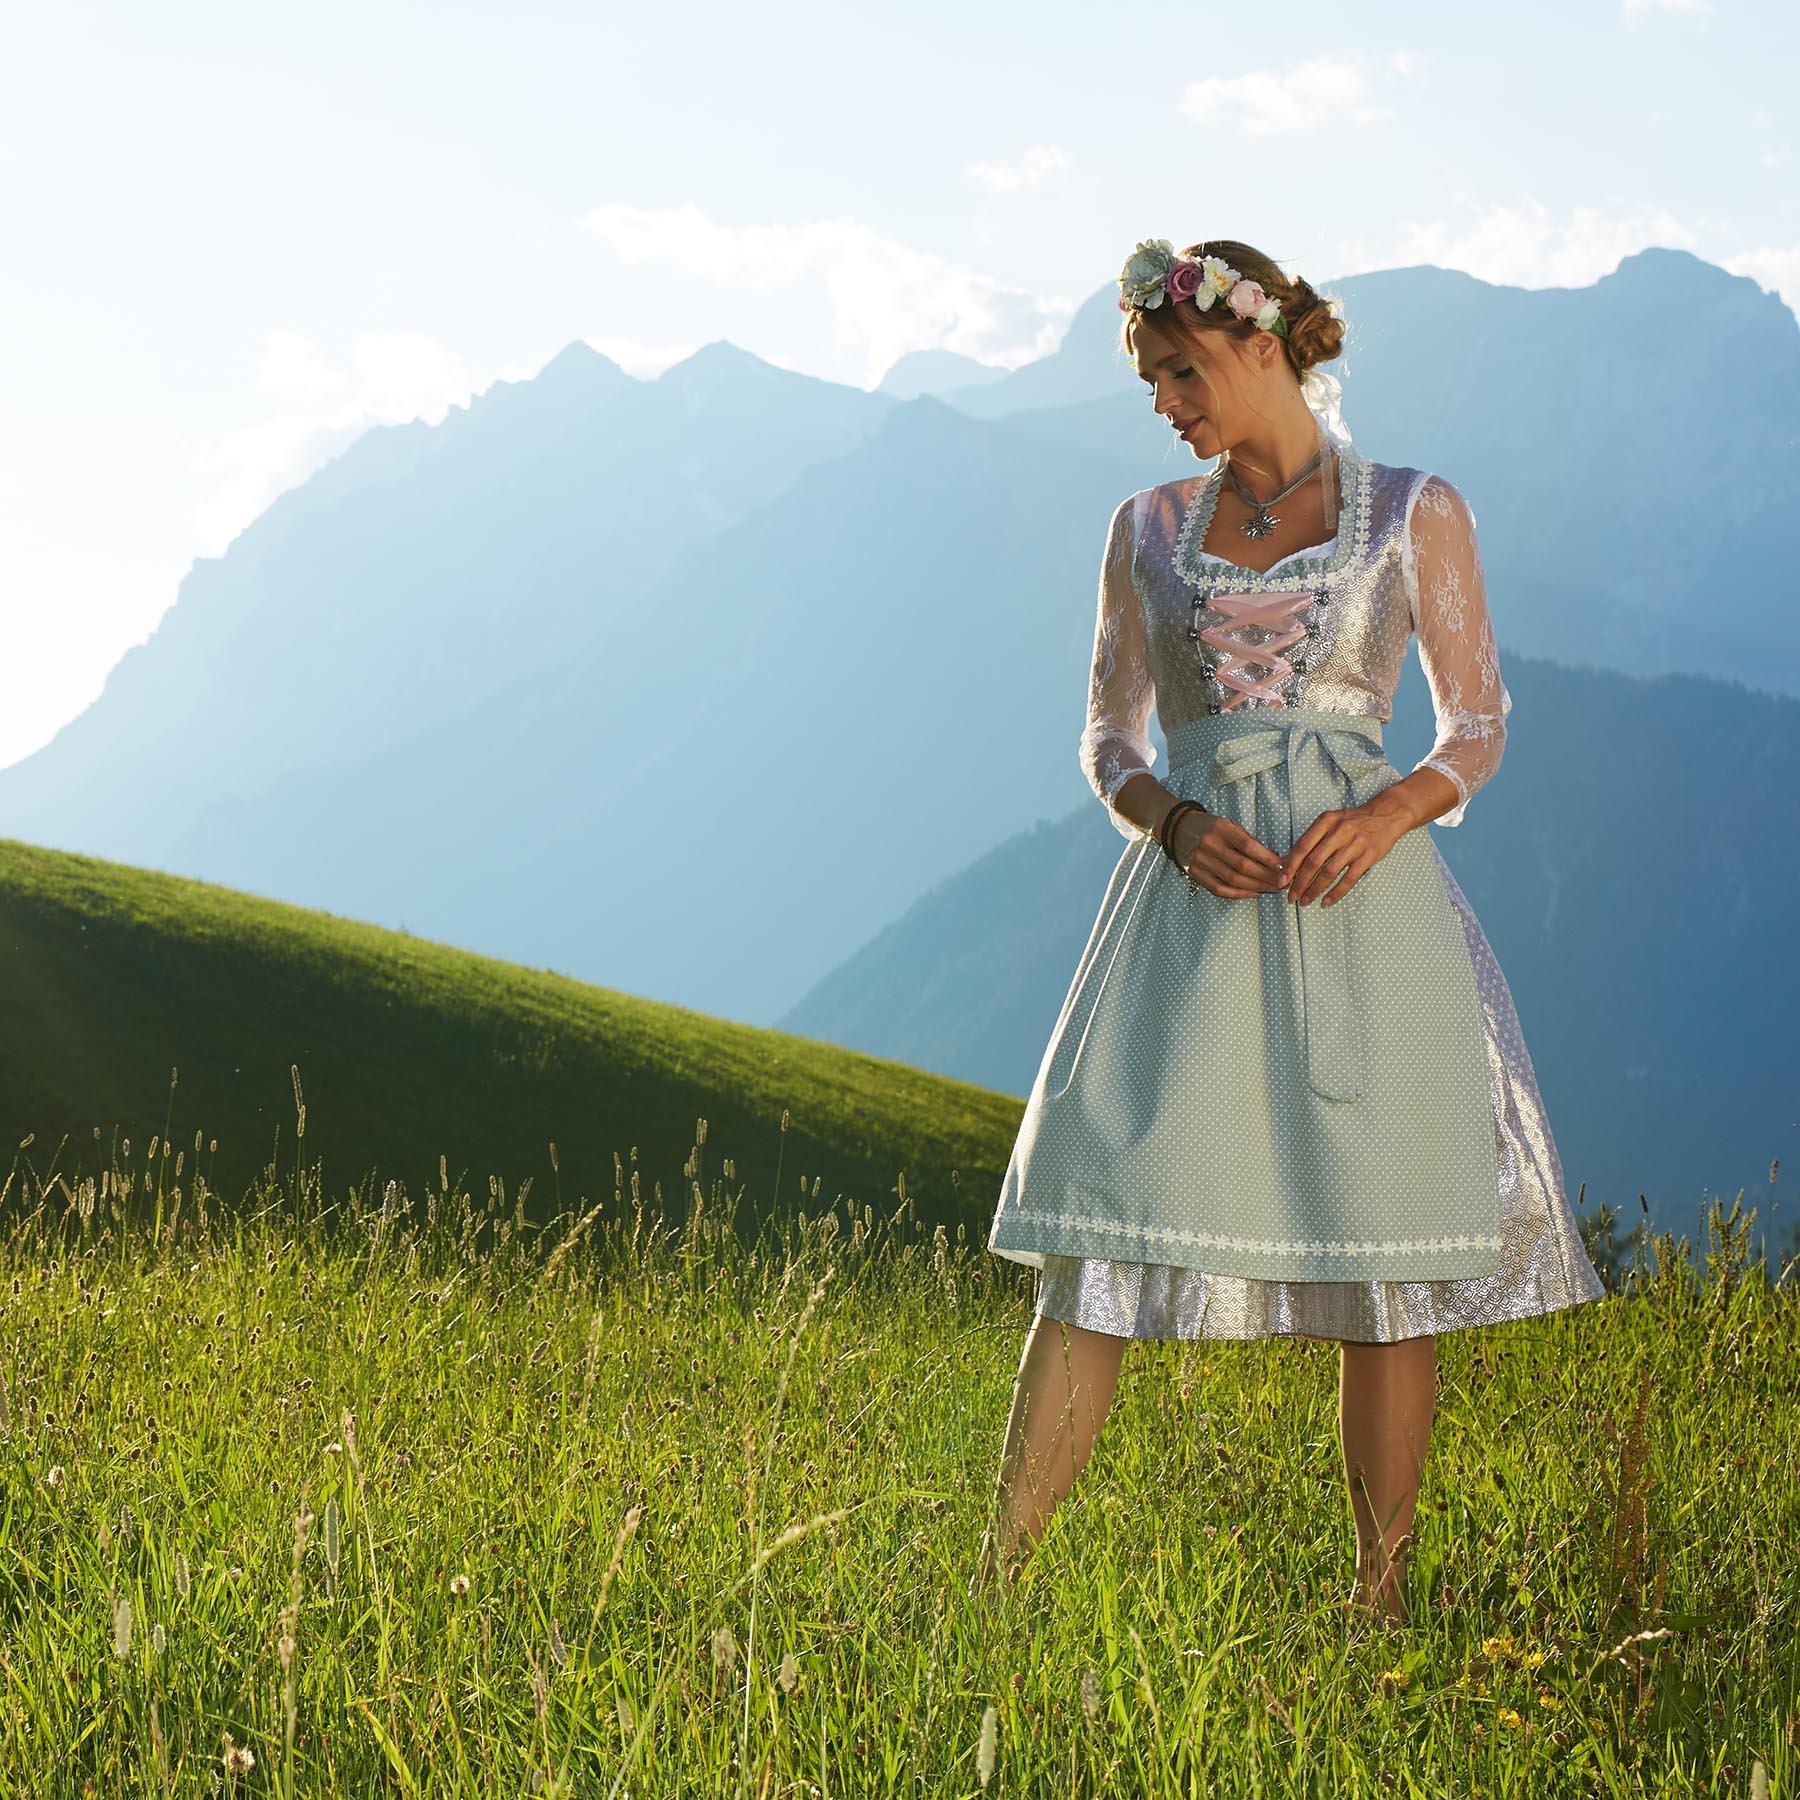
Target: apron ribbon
<point>1321,765</point>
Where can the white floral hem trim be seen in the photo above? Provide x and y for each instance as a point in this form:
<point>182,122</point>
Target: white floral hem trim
<point>1262,1246</point>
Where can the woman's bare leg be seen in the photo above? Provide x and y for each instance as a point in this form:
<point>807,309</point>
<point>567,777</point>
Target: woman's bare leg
<point>1065,1385</point>
<point>1387,1395</point>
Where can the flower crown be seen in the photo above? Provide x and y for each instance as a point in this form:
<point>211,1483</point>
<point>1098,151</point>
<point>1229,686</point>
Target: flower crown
<point>1153,272</point>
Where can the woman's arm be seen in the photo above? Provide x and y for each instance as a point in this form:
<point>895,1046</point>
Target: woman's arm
<point>1456,642</point>
<point>1115,743</point>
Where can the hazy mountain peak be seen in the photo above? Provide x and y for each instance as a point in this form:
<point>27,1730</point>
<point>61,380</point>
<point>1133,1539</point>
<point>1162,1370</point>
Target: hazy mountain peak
<point>935,372</point>
<point>578,360</point>
<point>924,415</point>
<point>576,380</point>
<point>718,361</point>
<point>1663,277</point>
<point>1088,363</point>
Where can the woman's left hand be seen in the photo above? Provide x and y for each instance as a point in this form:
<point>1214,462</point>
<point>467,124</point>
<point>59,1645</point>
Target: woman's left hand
<point>1341,845</point>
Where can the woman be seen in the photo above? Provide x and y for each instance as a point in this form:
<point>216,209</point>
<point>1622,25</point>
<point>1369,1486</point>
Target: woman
<point>1287,1091</point>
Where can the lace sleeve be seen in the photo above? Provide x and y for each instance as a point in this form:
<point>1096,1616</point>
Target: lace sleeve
<point>1456,640</point>
<point>1114,742</point>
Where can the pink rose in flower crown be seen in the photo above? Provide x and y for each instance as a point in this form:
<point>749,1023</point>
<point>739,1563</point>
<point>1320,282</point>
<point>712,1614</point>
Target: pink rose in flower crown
<point>1246,299</point>
<point>1183,281</point>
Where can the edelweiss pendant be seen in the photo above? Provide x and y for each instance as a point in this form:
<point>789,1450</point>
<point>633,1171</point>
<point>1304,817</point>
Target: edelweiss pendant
<point>1260,523</point>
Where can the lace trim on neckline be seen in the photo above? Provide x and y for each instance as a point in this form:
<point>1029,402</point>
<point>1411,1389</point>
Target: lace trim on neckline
<point>1300,567</point>
<point>1330,543</point>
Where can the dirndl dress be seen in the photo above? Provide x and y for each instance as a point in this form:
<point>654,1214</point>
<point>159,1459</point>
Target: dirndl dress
<point>1255,1117</point>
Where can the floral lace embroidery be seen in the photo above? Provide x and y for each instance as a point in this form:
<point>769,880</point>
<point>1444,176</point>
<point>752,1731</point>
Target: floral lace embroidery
<point>1306,566</point>
<point>1264,1246</point>
<point>1447,589</point>
<point>1115,741</point>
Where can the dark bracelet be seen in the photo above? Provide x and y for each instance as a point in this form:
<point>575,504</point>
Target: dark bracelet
<point>1165,834</point>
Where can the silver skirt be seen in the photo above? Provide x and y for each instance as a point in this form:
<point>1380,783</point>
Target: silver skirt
<point>1543,1264</point>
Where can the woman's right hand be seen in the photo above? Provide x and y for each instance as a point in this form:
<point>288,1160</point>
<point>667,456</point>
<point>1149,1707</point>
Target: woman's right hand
<point>1224,858</point>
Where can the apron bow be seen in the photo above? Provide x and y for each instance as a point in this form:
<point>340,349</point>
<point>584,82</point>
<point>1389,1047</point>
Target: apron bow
<point>1321,766</point>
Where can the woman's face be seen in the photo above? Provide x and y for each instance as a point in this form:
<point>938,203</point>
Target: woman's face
<point>1190,388</point>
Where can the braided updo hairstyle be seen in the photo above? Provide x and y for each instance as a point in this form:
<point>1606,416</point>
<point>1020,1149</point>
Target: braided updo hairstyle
<point>1315,323</point>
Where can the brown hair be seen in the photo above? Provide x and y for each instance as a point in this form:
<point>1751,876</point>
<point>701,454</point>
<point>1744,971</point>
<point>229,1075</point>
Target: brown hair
<point>1315,333</point>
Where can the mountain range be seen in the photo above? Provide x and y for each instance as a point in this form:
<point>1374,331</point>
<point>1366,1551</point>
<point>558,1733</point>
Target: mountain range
<point>758,694</point>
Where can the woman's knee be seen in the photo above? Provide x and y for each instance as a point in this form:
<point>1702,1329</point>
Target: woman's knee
<point>1067,1359</point>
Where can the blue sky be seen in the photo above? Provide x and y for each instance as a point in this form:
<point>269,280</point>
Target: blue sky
<point>236,237</point>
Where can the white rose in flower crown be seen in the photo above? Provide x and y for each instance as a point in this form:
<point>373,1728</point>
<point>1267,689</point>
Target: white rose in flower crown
<point>1219,276</point>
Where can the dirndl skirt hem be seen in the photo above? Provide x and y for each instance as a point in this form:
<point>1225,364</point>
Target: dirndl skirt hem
<point>1544,1266</point>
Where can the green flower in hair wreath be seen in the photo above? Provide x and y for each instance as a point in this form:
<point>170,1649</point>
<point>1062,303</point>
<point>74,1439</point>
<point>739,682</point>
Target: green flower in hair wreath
<point>1154,273</point>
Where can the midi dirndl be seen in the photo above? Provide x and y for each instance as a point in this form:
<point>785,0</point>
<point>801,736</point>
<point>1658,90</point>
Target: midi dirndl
<point>1257,1118</point>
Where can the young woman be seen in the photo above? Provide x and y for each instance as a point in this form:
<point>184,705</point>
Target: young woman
<point>1287,1091</point>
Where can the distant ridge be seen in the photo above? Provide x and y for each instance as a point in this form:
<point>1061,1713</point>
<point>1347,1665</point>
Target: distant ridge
<point>936,372</point>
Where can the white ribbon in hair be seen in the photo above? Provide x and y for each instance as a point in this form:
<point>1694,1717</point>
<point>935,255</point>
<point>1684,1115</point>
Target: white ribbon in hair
<point>1324,393</point>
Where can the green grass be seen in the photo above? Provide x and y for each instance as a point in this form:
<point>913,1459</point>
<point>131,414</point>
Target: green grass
<point>152,1003</point>
<point>549,1475</point>
<point>629,1464</point>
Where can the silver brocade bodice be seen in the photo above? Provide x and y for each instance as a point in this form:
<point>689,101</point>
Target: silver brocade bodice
<point>1358,616</point>
<point>1189,636</point>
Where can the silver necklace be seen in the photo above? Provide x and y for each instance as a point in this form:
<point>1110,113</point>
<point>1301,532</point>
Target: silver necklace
<point>1261,521</point>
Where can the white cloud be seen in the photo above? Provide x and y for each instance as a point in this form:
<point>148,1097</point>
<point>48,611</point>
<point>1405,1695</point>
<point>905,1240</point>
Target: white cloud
<point>1525,245</point>
<point>1774,267</point>
<point>392,377</point>
<point>1694,8</point>
<point>247,469</point>
<point>406,375</point>
<point>886,298</point>
<point>1031,170</point>
<point>292,369</point>
<point>1311,96</point>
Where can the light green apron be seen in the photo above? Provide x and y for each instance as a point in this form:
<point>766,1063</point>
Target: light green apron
<point>1260,1088</point>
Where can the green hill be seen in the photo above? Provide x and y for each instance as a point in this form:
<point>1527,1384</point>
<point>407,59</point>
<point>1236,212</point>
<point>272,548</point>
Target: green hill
<point>135,1002</point>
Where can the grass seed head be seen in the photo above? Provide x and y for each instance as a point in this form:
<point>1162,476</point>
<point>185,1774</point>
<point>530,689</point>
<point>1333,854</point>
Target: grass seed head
<point>1090,1692</point>
<point>987,1744</point>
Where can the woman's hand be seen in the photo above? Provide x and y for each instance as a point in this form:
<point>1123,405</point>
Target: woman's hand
<point>1341,845</point>
<point>1224,858</point>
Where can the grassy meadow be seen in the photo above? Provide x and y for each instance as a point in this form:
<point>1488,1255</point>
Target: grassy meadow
<point>401,1483</point>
